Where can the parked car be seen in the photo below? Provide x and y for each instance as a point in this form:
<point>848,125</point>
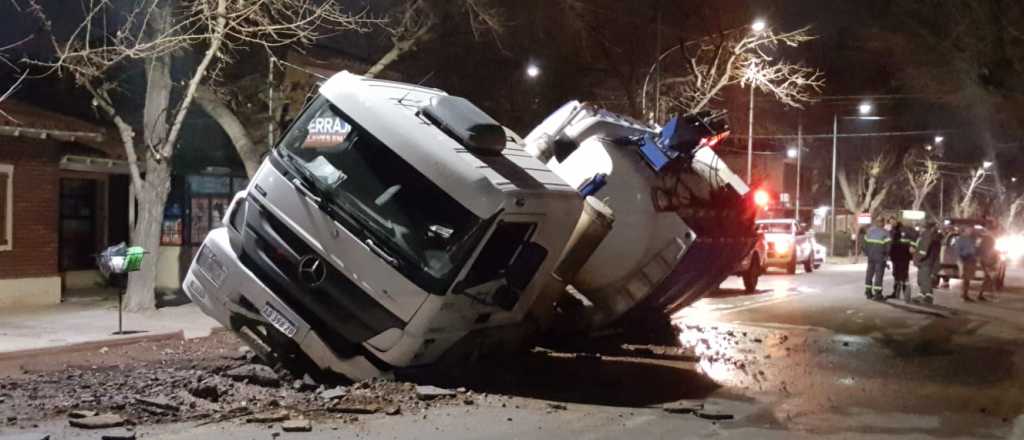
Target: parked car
<point>820,252</point>
<point>751,268</point>
<point>949,269</point>
<point>787,244</point>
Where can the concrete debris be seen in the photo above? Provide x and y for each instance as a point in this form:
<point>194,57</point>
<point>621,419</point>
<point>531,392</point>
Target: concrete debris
<point>81,414</point>
<point>157,402</point>
<point>122,435</point>
<point>430,392</point>
<point>714,416</point>
<point>334,393</point>
<point>102,421</point>
<point>557,406</point>
<point>355,408</point>
<point>297,426</point>
<point>684,407</point>
<point>257,374</point>
<point>104,350</point>
<point>208,389</point>
<point>273,417</point>
<point>305,384</point>
<point>393,410</point>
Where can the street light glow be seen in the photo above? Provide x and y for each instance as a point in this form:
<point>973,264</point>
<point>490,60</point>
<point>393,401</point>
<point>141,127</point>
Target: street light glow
<point>864,108</point>
<point>928,147</point>
<point>791,153</point>
<point>1013,179</point>
<point>939,139</point>
<point>986,164</point>
<point>532,70</point>
<point>758,25</point>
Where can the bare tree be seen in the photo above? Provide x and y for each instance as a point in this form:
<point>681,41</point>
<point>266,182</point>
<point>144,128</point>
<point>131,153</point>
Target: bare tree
<point>871,188</point>
<point>416,21</point>
<point>247,109</point>
<point>922,175</point>
<point>741,58</point>
<point>966,205</point>
<point>21,77</point>
<point>156,34</point>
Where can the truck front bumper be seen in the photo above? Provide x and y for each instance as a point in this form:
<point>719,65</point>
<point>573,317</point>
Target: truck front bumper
<point>238,300</point>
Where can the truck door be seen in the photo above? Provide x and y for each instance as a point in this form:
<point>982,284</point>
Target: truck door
<point>491,279</point>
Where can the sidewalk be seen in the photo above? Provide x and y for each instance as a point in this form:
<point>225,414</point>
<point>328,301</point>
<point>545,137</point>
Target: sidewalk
<point>87,322</point>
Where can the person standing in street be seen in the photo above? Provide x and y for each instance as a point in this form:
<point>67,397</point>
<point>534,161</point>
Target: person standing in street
<point>876,248</point>
<point>902,240</point>
<point>967,252</point>
<point>928,246</point>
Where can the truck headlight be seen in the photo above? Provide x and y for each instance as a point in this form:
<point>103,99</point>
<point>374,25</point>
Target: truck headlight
<point>208,264</point>
<point>782,247</point>
<point>1012,246</point>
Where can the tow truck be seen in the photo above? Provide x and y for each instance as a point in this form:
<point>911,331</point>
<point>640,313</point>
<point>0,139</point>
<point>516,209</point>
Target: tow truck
<point>395,226</point>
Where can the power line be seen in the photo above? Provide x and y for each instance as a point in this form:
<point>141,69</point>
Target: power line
<point>847,135</point>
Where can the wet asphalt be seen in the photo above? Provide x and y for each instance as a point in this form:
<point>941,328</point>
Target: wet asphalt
<point>806,356</point>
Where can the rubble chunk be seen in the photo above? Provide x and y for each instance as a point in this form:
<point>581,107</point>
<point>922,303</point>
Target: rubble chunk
<point>101,421</point>
<point>355,408</point>
<point>430,392</point>
<point>714,416</point>
<point>123,435</point>
<point>257,374</point>
<point>157,402</point>
<point>558,406</point>
<point>27,436</point>
<point>208,389</point>
<point>684,407</point>
<point>81,414</point>
<point>297,426</point>
<point>273,417</point>
<point>334,393</point>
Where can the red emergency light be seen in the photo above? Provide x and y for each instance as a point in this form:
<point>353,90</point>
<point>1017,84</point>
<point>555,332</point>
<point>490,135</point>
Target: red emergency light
<point>762,198</point>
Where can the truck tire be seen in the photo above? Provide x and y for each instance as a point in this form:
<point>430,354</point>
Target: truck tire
<point>809,265</point>
<point>752,274</point>
<point>791,266</point>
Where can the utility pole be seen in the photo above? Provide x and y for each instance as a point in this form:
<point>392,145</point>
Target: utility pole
<point>750,137</point>
<point>799,155</point>
<point>832,237</point>
<point>942,197</point>
<point>657,67</point>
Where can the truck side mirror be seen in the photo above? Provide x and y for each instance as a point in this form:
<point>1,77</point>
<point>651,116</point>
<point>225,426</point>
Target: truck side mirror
<point>521,271</point>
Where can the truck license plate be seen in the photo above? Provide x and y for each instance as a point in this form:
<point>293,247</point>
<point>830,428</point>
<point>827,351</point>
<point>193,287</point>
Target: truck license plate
<point>278,320</point>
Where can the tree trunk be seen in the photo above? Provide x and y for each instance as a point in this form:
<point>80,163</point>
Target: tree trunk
<point>399,48</point>
<point>146,233</point>
<point>851,200</point>
<point>250,154</point>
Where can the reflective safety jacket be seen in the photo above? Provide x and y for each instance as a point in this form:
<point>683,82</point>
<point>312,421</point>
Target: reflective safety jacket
<point>903,238</point>
<point>929,246</point>
<point>877,243</point>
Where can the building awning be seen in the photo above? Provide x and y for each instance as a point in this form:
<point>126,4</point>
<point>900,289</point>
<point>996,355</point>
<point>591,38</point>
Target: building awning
<point>22,120</point>
<point>96,165</point>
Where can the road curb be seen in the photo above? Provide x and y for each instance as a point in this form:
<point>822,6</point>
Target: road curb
<point>92,345</point>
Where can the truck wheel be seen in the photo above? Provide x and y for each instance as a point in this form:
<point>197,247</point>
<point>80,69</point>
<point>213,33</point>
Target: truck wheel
<point>809,265</point>
<point>751,275</point>
<point>791,267</point>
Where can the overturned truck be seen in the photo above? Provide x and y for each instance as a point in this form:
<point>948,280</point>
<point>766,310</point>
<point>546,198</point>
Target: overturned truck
<point>395,226</point>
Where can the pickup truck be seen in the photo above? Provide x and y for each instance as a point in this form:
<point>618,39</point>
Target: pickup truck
<point>788,243</point>
<point>949,267</point>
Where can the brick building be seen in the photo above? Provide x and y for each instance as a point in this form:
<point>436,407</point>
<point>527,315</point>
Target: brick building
<point>62,196</point>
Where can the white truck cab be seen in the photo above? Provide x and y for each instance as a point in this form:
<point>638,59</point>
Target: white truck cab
<point>787,244</point>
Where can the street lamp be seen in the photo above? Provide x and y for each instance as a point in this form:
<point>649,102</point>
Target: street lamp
<point>864,109</point>
<point>939,139</point>
<point>752,76</point>
<point>986,164</point>
<point>758,25</point>
<point>532,70</point>
<point>791,153</point>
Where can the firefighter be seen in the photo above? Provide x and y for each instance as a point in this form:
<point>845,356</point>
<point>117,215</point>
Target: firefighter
<point>926,258</point>
<point>903,238</point>
<point>876,247</point>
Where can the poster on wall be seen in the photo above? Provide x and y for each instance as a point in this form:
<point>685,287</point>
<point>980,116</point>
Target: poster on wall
<point>200,220</point>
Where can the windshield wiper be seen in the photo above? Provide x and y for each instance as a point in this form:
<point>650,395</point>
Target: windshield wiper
<point>381,253</point>
<point>305,181</point>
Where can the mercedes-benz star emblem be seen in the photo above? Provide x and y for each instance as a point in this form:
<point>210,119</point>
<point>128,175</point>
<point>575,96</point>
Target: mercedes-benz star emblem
<point>312,270</point>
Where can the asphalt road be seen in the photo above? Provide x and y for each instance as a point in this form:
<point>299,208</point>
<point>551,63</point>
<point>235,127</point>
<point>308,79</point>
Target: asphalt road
<point>805,357</point>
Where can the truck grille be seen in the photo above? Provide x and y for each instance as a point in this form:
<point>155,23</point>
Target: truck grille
<point>341,313</point>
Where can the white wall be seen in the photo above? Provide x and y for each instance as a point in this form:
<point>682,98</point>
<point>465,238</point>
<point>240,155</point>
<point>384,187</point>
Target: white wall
<point>26,292</point>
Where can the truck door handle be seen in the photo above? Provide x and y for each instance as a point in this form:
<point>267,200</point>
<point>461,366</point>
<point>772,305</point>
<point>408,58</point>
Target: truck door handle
<point>305,191</point>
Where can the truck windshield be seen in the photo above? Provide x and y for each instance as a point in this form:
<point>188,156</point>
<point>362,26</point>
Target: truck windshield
<point>777,228</point>
<point>406,219</point>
